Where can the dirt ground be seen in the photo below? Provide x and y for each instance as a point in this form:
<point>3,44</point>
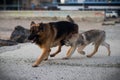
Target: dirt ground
<point>16,61</point>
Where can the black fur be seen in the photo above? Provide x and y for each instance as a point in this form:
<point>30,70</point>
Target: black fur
<point>64,28</point>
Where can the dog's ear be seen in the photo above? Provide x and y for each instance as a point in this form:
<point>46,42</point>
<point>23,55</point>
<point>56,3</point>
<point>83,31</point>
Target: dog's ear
<point>41,27</point>
<point>32,23</point>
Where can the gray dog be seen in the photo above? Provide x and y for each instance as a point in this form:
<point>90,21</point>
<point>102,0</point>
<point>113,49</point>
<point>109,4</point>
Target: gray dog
<point>97,37</point>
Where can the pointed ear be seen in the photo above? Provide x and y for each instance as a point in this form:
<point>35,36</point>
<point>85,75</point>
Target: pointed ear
<point>32,23</point>
<point>42,26</point>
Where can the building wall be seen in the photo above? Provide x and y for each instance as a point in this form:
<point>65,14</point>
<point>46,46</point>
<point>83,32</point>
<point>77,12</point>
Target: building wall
<point>108,1</point>
<point>81,7</point>
<point>21,4</point>
<point>91,5</point>
<point>70,7</point>
<point>81,1</point>
<point>67,5</point>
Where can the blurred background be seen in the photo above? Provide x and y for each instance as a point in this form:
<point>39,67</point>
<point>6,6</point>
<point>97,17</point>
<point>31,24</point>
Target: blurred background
<point>60,5</point>
<point>111,7</point>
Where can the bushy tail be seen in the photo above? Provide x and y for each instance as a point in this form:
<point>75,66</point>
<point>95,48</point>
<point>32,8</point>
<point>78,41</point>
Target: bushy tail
<point>76,28</point>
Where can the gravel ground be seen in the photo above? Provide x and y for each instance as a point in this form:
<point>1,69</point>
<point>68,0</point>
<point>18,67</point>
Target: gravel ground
<point>16,61</point>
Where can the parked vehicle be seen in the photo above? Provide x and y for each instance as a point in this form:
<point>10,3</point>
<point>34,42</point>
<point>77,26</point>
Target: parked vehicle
<point>112,14</point>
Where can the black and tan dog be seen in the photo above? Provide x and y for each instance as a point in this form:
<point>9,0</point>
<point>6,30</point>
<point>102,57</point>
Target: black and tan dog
<point>47,35</point>
<point>97,37</point>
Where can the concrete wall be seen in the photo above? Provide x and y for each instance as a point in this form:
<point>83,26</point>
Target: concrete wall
<point>36,14</point>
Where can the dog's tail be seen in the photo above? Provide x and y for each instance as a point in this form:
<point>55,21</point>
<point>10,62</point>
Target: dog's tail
<point>70,19</point>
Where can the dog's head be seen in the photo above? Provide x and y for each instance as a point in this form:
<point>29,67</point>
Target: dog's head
<point>36,31</point>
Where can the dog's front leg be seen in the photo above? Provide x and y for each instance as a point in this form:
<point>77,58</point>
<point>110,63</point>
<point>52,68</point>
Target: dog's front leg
<point>47,55</point>
<point>80,49</point>
<point>59,50</point>
<point>41,57</point>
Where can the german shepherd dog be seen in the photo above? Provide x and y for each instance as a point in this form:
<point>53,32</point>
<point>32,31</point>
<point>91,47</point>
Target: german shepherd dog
<point>48,35</point>
<point>97,37</point>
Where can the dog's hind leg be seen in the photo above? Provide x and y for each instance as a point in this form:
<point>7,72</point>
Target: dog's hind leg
<point>95,49</point>
<point>70,52</point>
<point>59,50</point>
<point>107,46</point>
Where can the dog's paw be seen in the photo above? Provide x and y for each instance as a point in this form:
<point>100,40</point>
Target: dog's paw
<point>35,65</point>
<point>65,58</point>
<point>82,52</point>
<point>52,55</point>
<point>89,56</point>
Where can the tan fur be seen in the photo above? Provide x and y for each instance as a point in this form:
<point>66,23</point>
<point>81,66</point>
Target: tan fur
<point>48,40</point>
